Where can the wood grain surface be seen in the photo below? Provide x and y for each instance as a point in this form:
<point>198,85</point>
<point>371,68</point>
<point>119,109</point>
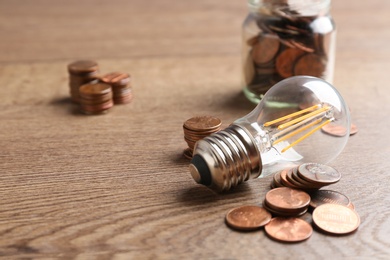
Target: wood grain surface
<point>116,186</point>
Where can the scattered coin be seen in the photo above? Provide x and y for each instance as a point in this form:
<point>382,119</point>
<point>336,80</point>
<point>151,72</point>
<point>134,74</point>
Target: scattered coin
<point>247,217</point>
<point>336,219</point>
<point>353,129</point>
<point>318,173</point>
<point>288,229</point>
<point>328,196</point>
<point>338,130</point>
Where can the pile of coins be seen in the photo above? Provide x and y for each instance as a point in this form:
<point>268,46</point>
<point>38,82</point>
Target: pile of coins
<point>120,84</point>
<point>81,72</point>
<point>332,212</point>
<point>96,94</point>
<point>308,177</point>
<point>95,98</point>
<point>287,45</point>
<point>197,128</point>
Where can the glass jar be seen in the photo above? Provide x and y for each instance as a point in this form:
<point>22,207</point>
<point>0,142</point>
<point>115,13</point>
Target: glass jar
<point>284,38</point>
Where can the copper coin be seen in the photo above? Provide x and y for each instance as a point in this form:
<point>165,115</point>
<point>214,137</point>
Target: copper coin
<point>328,196</point>
<point>284,213</point>
<point>285,182</point>
<point>353,129</point>
<point>335,130</point>
<point>95,89</point>
<point>249,70</point>
<point>247,217</point>
<point>265,49</point>
<point>318,173</point>
<point>288,229</point>
<point>286,60</point>
<point>83,66</point>
<point>202,123</point>
<point>336,219</point>
<point>277,180</point>
<point>287,199</point>
<point>116,78</point>
<point>187,153</point>
<point>307,184</point>
<point>311,65</point>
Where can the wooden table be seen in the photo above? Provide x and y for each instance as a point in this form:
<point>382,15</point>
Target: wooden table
<point>117,185</point>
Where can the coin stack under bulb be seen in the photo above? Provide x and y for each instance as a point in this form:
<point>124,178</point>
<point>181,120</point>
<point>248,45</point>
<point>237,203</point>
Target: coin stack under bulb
<point>197,128</point>
<point>81,72</point>
<point>121,87</point>
<point>95,98</point>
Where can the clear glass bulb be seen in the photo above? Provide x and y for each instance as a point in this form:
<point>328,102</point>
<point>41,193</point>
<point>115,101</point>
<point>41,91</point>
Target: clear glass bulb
<point>284,130</point>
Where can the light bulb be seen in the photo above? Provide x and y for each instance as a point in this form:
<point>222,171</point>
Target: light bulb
<point>284,130</point>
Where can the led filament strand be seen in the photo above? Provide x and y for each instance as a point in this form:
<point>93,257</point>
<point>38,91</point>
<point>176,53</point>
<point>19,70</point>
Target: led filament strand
<point>300,124</point>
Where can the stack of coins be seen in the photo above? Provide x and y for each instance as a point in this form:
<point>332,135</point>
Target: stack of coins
<point>81,72</point>
<point>286,202</point>
<point>308,177</point>
<point>196,128</point>
<point>121,87</point>
<point>95,98</point>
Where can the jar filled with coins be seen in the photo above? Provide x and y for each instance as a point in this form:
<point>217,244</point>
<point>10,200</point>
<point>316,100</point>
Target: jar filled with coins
<point>284,38</point>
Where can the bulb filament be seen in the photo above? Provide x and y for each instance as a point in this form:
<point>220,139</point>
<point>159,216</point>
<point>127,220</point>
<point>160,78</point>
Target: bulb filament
<point>299,124</point>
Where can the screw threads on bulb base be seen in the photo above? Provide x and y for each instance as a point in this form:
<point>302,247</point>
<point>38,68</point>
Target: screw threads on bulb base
<point>225,159</point>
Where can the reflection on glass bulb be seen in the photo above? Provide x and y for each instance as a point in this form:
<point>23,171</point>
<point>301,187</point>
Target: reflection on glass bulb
<point>284,130</point>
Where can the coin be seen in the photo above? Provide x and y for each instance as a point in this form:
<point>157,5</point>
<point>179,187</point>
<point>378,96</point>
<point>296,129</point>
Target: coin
<point>88,90</point>
<point>116,78</point>
<point>307,184</point>
<point>265,49</point>
<point>335,130</point>
<point>353,129</point>
<point>328,196</point>
<point>202,123</point>
<point>318,173</point>
<point>286,199</point>
<point>82,66</point>
<point>335,219</point>
<point>288,229</point>
<point>284,213</point>
<point>247,217</point>
<point>310,64</point>
<point>286,60</point>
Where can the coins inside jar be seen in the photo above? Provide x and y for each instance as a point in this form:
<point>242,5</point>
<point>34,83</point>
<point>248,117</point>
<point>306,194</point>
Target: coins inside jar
<point>284,44</point>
